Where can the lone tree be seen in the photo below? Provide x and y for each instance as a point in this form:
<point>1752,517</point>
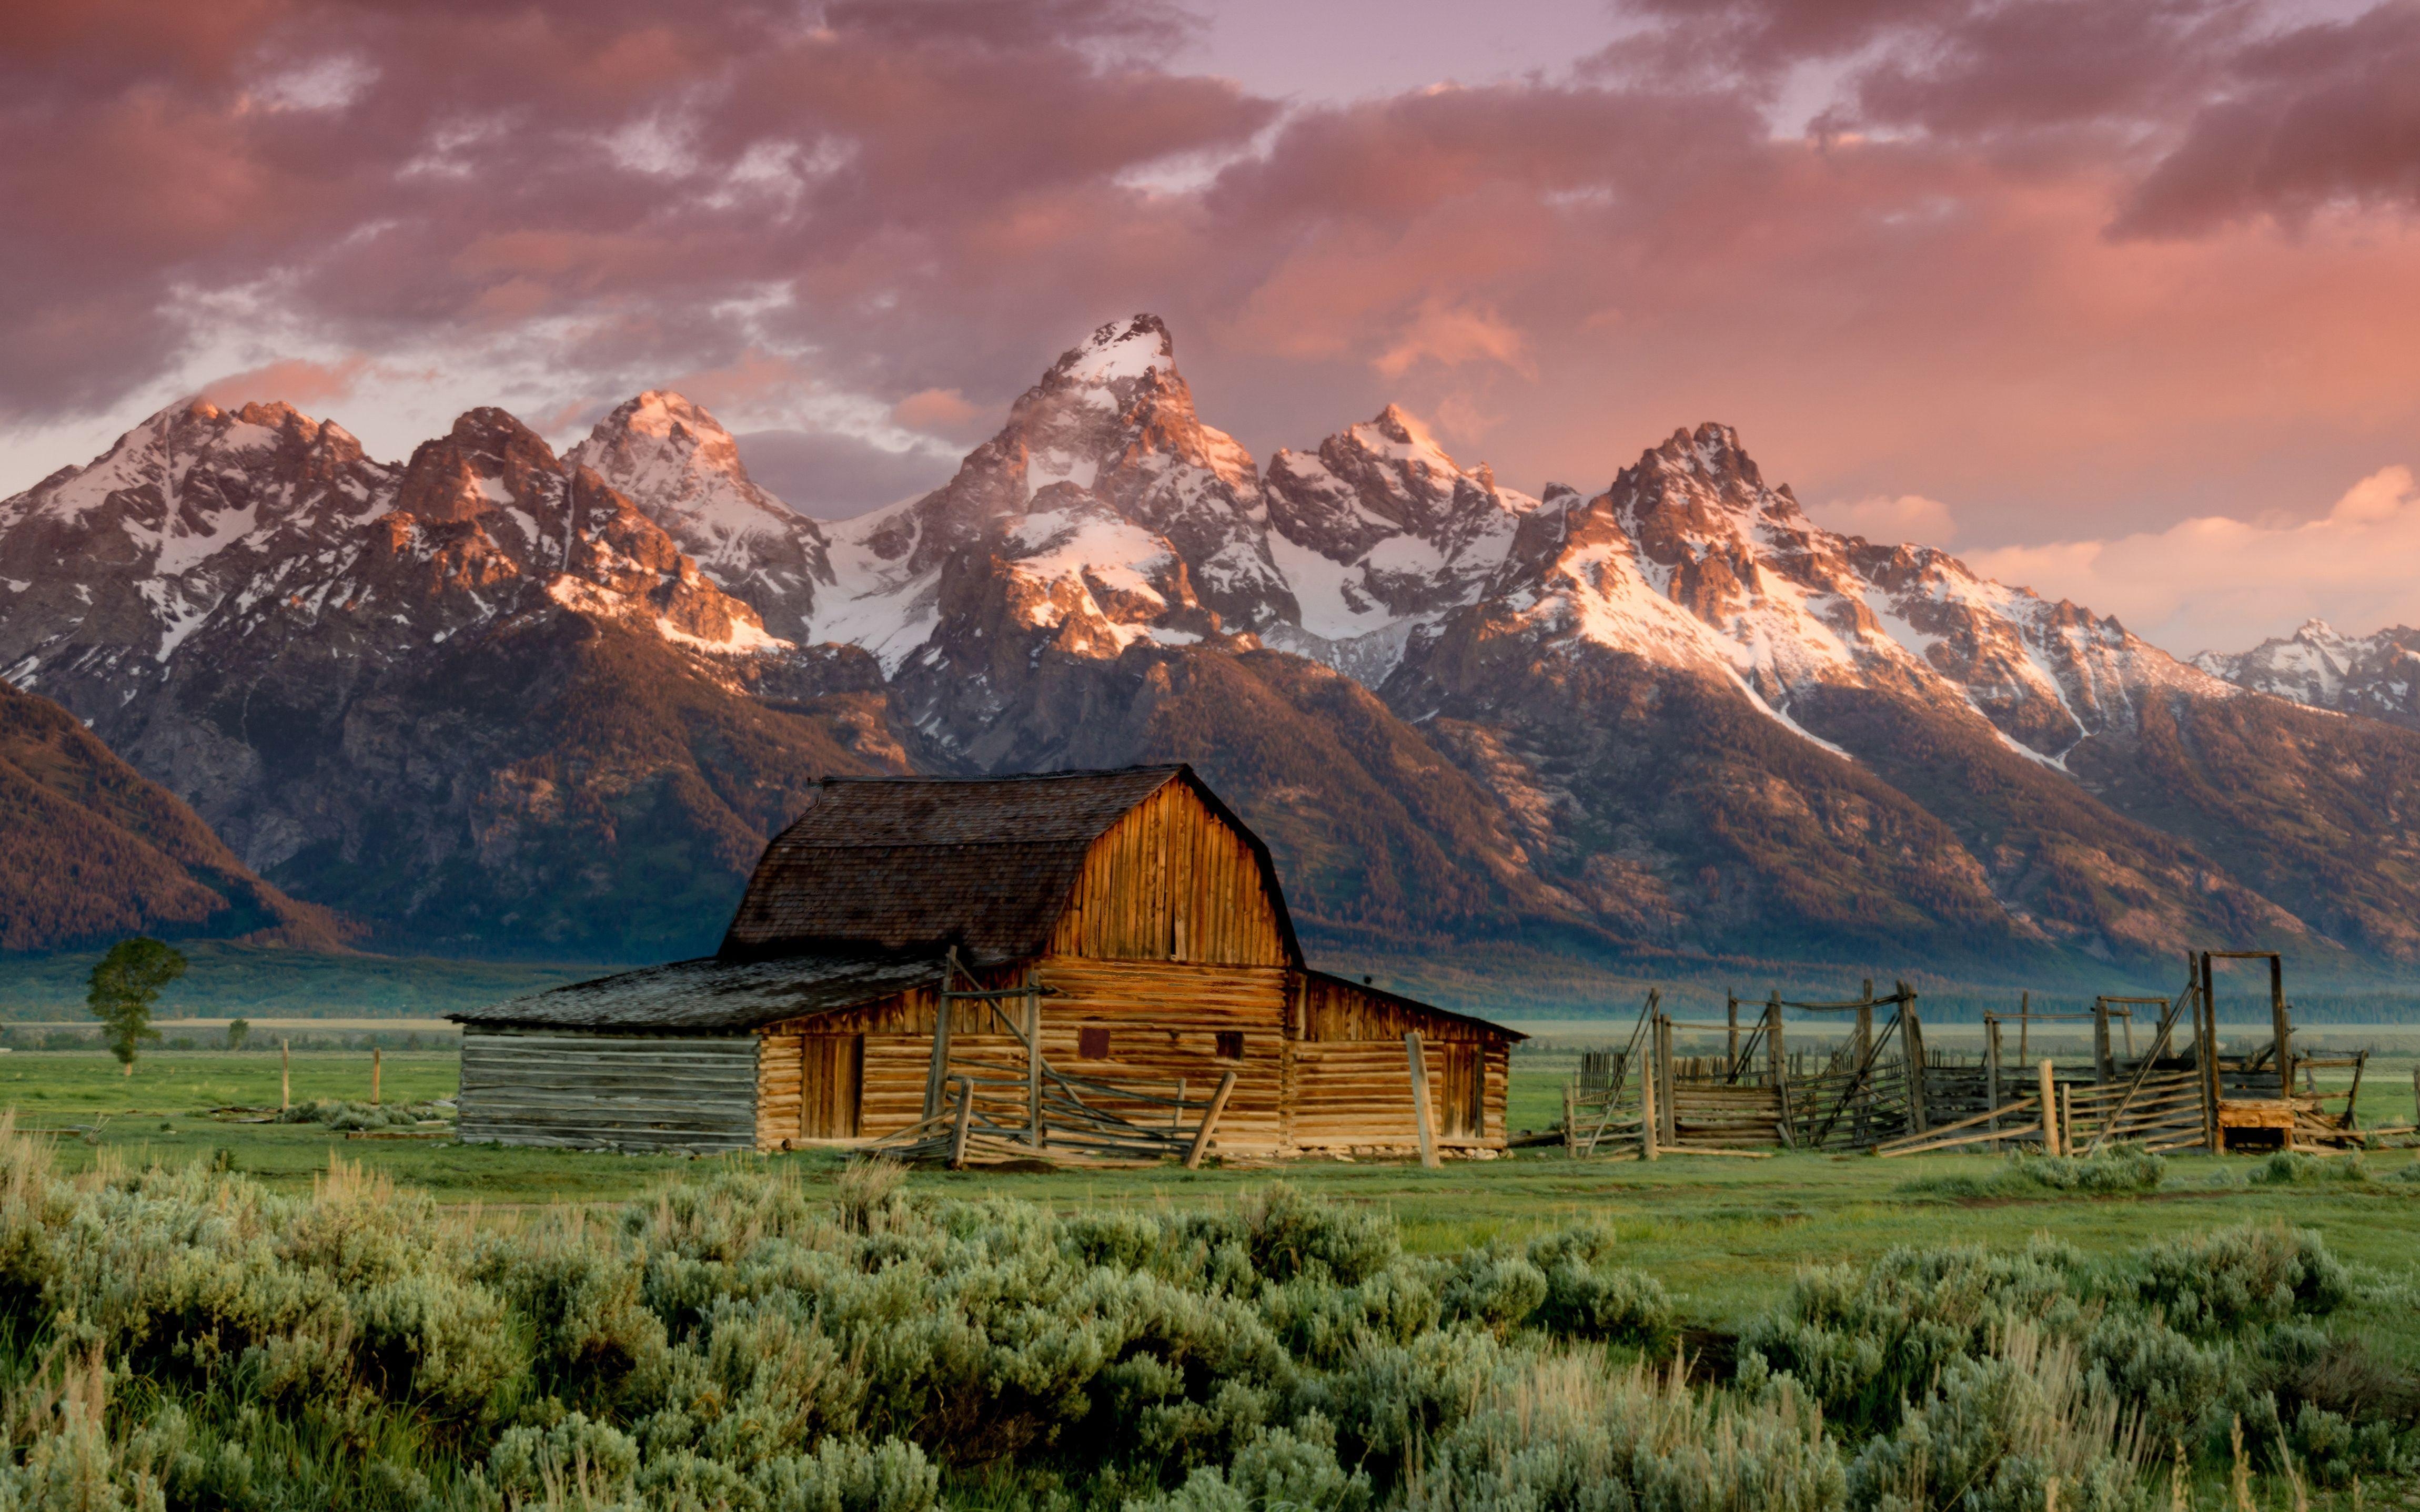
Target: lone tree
<point>124,986</point>
<point>239,1031</point>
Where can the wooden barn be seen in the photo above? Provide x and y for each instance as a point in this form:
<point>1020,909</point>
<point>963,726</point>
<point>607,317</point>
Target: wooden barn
<point>1100,957</point>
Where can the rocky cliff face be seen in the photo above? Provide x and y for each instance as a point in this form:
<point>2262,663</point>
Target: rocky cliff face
<point>493,695</point>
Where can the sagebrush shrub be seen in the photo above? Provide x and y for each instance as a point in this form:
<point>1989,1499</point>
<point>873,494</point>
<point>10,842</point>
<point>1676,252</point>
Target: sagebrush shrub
<point>745,1341</point>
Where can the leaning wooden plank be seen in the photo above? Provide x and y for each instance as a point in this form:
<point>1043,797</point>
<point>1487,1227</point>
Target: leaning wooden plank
<point>2030,1130</point>
<point>1209,1122</point>
<point>2019,1105</point>
<point>1717,1150</point>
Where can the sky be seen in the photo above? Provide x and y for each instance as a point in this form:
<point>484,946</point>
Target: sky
<point>2120,301</point>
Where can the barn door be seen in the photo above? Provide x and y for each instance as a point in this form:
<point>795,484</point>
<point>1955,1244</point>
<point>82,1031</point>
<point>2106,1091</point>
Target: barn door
<point>1458,1113</point>
<point>830,1069</point>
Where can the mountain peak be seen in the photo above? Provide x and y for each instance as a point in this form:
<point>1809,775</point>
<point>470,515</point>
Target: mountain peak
<point>1119,351</point>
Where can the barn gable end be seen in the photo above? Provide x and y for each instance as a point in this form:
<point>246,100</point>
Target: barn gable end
<point>1177,878</point>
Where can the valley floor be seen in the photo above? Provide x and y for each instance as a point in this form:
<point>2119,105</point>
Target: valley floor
<point>1723,1234</point>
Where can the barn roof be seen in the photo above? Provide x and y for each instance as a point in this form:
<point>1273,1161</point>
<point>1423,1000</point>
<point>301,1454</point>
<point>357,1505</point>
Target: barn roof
<point>918,863</point>
<point>710,994</point>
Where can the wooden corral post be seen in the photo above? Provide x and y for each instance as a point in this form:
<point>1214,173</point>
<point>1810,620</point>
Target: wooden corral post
<point>2025,1026</point>
<point>1571,1116</point>
<point>936,1076</point>
<point>2281,1023</point>
<point>374,1053</point>
<point>285,1076</point>
<point>2047,1084</point>
<point>1209,1123</point>
<point>1669,1130</point>
<point>1647,1107</point>
<point>958,1130</point>
<point>1863,1092</point>
<point>1911,1030</point>
<point>1421,1117</point>
<point>2352,1093</point>
<point>2067,1121</point>
<point>2206,1041</point>
<point>1777,1059</point>
<point>1730,1016</point>
<point>1033,1130</point>
<point>1992,1068</point>
<point>2101,1070</point>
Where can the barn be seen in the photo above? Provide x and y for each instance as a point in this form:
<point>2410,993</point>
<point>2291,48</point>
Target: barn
<point>1095,943</point>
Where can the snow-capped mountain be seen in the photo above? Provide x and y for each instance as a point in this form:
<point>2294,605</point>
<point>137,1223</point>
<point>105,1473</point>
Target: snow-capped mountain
<point>683,470</point>
<point>1379,532</point>
<point>490,698</point>
<point>2378,675</point>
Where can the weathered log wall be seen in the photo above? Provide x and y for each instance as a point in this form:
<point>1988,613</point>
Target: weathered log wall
<point>609,1091</point>
<point>1163,1023</point>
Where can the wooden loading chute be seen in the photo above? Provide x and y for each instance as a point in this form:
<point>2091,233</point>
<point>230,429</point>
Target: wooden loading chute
<point>980,1110</point>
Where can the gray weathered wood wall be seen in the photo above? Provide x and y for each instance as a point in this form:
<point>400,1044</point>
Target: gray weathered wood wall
<point>609,1091</point>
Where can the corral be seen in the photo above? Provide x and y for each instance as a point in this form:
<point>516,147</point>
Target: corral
<point>1074,966</point>
<point>1878,1087</point>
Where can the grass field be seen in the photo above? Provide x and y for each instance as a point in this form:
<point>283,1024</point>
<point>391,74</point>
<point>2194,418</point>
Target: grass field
<point>1723,1234</point>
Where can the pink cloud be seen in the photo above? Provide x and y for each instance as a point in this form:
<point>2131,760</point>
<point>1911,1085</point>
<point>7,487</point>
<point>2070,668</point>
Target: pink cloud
<point>916,203</point>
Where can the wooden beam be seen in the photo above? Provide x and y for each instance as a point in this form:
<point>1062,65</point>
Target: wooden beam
<point>1647,1109</point>
<point>958,1130</point>
<point>1911,1039</point>
<point>2206,1041</point>
<point>1992,1066</point>
<point>1209,1123</point>
<point>2049,1094</point>
<point>2281,1025</point>
<point>1420,1114</point>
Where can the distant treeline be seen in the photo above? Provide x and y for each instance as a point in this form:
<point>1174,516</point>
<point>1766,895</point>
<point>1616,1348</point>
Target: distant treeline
<point>255,981</point>
<point>174,1036</point>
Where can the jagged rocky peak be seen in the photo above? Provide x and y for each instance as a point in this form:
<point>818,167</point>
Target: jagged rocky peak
<point>675,461</point>
<point>1702,479</point>
<point>2377,674</point>
<point>682,469</point>
<point>1113,421</point>
<point>487,463</point>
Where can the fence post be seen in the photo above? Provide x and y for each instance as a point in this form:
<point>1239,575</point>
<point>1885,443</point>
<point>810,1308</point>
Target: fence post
<point>2101,1067</point>
<point>285,1076</point>
<point>1647,1107</point>
<point>2048,1085</point>
<point>2205,1034</point>
<point>1778,1058</point>
<point>1420,1116</point>
<point>2281,1023</point>
<point>1571,1116</point>
<point>1209,1122</point>
<point>374,1053</point>
<point>1731,1015</point>
<point>958,1130</point>
<point>1033,1130</point>
<point>1911,1034</point>
<point>1992,1069</point>
<point>1667,1131</point>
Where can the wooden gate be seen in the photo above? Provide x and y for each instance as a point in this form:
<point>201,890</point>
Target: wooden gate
<point>831,1069</point>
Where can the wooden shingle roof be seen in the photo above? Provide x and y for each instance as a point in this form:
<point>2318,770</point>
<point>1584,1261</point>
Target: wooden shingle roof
<point>918,864</point>
<point>693,996</point>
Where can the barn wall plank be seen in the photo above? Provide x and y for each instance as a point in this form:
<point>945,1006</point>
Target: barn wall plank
<point>619,1091</point>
